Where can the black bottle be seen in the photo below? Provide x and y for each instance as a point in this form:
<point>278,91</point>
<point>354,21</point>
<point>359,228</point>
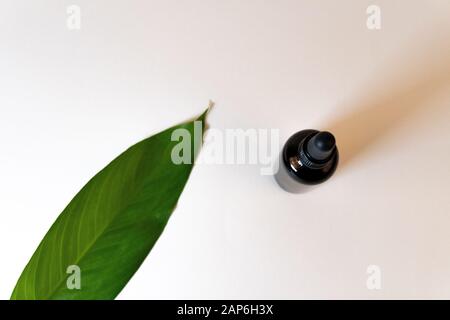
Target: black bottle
<point>308,158</point>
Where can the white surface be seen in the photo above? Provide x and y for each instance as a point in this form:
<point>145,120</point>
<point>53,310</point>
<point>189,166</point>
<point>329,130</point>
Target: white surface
<point>70,101</point>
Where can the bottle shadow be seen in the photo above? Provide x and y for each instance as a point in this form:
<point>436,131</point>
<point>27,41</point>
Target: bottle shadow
<point>390,105</point>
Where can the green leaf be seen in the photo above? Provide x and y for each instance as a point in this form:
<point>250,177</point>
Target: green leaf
<point>111,225</point>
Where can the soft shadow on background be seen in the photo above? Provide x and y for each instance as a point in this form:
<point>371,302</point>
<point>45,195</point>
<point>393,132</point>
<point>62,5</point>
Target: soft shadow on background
<point>396,97</point>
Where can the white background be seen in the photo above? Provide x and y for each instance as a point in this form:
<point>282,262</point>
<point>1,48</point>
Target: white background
<point>70,101</point>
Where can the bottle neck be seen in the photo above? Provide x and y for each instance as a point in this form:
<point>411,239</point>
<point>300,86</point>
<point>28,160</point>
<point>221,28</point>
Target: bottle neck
<point>307,160</point>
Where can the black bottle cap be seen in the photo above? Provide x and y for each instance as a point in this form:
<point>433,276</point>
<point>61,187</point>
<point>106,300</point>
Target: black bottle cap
<point>321,146</point>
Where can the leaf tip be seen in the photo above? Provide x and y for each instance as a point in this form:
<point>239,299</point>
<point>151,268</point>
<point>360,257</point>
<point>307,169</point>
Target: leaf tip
<point>206,112</point>
<point>210,106</point>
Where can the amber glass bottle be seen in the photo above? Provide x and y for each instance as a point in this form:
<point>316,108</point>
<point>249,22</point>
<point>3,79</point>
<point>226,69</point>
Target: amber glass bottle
<point>308,158</point>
